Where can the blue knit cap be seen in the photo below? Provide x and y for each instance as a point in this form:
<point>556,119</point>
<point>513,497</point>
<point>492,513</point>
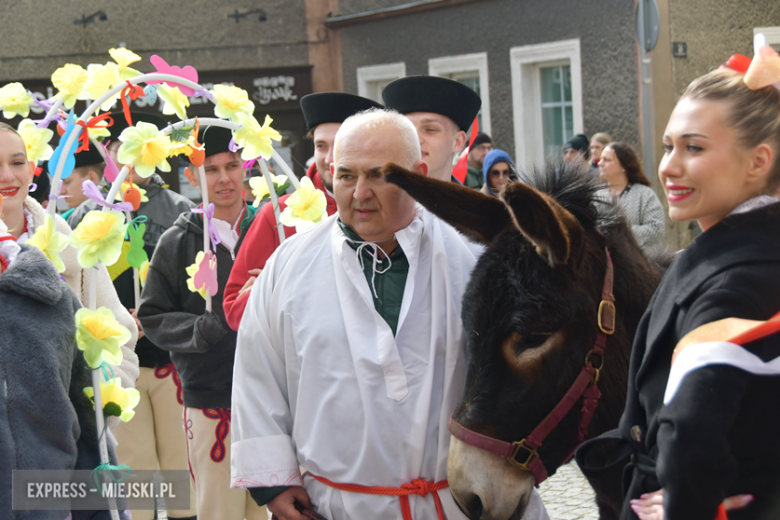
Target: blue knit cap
<point>494,156</point>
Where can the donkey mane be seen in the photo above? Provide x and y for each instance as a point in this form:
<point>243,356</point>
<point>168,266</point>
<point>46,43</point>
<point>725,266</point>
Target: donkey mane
<point>576,189</point>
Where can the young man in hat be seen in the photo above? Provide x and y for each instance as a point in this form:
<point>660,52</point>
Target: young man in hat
<point>89,167</point>
<point>155,437</point>
<point>479,149</point>
<point>576,148</point>
<point>201,344</point>
<point>324,112</point>
<point>442,110</point>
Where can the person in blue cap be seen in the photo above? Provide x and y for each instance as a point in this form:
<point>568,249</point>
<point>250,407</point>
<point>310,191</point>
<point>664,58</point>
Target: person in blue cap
<point>498,170</point>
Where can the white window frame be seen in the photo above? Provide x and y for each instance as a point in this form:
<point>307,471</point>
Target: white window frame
<point>371,73</point>
<point>466,63</point>
<point>772,35</point>
<point>525,63</point>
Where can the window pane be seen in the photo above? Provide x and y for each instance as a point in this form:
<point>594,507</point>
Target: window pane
<point>471,80</point>
<point>552,125</point>
<point>569,126</point>
<point>551,84</point>
<point>566,73</point>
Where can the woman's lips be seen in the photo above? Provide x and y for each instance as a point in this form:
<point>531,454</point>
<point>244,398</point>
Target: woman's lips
<point>676,193</point>
<point>9,192</point>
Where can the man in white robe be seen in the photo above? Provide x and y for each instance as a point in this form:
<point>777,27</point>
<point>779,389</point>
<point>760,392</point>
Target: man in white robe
<point>324,381</point>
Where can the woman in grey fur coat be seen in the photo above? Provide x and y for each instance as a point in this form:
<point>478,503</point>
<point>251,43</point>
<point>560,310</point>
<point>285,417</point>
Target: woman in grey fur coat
<point>46,421</point>
<point>620,168</point>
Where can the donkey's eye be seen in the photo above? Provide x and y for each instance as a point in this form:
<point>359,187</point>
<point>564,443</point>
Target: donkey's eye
<point>536,340</point>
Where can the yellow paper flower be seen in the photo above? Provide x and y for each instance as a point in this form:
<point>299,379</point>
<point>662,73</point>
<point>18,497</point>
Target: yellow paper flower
<point>143,271</point>
<point>70,80</point>
<point>306,206</point>
<point>14,99</point>
<point>100,79</point>
<point>175,101</point>
<point>182,147</point>
<point>36,141</point>
<point>145,148</point>
<point>100,336</point>
<point>123,58</point>
<point>126,184</point>
<point>231,100</point>
<point>99,238</point>
<point>117,401</point>
<point>255,139</point>
<point>191,270</point>
<point>99,130</point>
<point>260,186</point>
<point>51,242</point>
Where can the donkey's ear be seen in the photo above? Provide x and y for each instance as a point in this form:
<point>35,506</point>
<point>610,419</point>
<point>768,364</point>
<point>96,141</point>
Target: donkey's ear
<point>555,232</point>
<point>478,216</point>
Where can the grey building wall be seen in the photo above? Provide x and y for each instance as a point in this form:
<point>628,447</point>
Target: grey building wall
<point>39,35</point>
<point>605,29</point>
<point>714,30</point>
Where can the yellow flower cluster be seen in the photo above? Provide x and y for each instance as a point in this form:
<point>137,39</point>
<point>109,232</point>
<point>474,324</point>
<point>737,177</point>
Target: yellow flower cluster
<point>305,207</point>
<point>117,401</point>
<point>51,242</point>
<point>99,238</point>
<point>14,99</point>
<point>255,139</point>
<point>100,336</point>
<point>145,148</point>
<point>260,186</point>
<point>36,141</point>
<point>70,80</point>
<point>191,271</point>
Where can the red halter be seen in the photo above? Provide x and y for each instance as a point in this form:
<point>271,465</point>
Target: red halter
<point>585,385</point>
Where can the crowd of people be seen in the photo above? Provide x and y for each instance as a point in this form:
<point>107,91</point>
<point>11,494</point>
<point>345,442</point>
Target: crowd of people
<point>322,379</point>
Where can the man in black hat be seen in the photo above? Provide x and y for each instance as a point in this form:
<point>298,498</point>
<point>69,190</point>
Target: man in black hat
<point>479,149</point>
<point>442,110</point>
<point>154,438</point>
<point>89,167</point>
<point>201,344</point>
<point>324,112</point>
<point>576,148</point>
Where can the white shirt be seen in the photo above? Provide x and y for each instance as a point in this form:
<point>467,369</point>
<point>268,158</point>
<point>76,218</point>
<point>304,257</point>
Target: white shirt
<point>320,381</point>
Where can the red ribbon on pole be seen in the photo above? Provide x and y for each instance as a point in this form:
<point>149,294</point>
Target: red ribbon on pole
<point>461,167</point>
<point>92,123</point>
<point>134,91</point>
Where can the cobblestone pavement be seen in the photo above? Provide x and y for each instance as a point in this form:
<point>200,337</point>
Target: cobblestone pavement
<point>568,496</point>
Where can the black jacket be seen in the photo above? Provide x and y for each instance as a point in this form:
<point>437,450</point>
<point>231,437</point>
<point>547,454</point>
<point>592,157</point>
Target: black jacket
<point>201,344</point>
<point>721,435</point>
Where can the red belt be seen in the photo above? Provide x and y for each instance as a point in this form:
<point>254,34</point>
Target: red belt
<point>416,487</point>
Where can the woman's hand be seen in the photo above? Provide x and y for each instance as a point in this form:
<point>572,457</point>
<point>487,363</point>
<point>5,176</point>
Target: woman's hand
<point>134,314</point>
<point>283,506</point>
<point>650,506</point>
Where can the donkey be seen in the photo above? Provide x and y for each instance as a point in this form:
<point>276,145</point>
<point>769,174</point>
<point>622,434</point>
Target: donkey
<point>531,313</point>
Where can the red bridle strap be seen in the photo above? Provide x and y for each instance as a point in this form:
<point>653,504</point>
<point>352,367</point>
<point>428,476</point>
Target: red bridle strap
<point>585,385</point>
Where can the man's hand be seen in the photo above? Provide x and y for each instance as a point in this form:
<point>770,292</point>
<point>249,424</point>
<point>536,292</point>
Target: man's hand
<point>247,288</point>
<point>134,314</point>
<point>283,506</point>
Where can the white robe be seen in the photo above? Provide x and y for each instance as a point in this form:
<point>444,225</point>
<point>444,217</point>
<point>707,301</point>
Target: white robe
<point>321,383</point>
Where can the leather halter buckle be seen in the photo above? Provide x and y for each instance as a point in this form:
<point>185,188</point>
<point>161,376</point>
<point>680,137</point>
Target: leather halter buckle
<point>531,454</point>
<point>612,313</point>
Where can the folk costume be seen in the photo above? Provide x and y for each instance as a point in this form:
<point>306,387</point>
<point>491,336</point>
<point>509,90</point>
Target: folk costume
<point>202,347</point>
<point>718,436</point>
<point>332,376</point>
<point>155,437</point>
<point>262,237</point>
<point>46,421</point>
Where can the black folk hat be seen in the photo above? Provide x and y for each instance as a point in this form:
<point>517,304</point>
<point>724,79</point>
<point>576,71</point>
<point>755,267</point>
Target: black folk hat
<point>333,107</point>
<point>433,94</point>
<point>89,157</point>
<point>216,139</point>
<point>120,123</point>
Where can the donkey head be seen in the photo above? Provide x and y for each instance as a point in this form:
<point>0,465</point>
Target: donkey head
<point>530,315</point>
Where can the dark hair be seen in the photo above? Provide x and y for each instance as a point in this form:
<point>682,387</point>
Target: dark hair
<point>753,114</point>
<point>628,159</point>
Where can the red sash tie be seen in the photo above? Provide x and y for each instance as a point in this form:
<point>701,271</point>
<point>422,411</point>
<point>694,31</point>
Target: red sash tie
<point>416,487</point>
